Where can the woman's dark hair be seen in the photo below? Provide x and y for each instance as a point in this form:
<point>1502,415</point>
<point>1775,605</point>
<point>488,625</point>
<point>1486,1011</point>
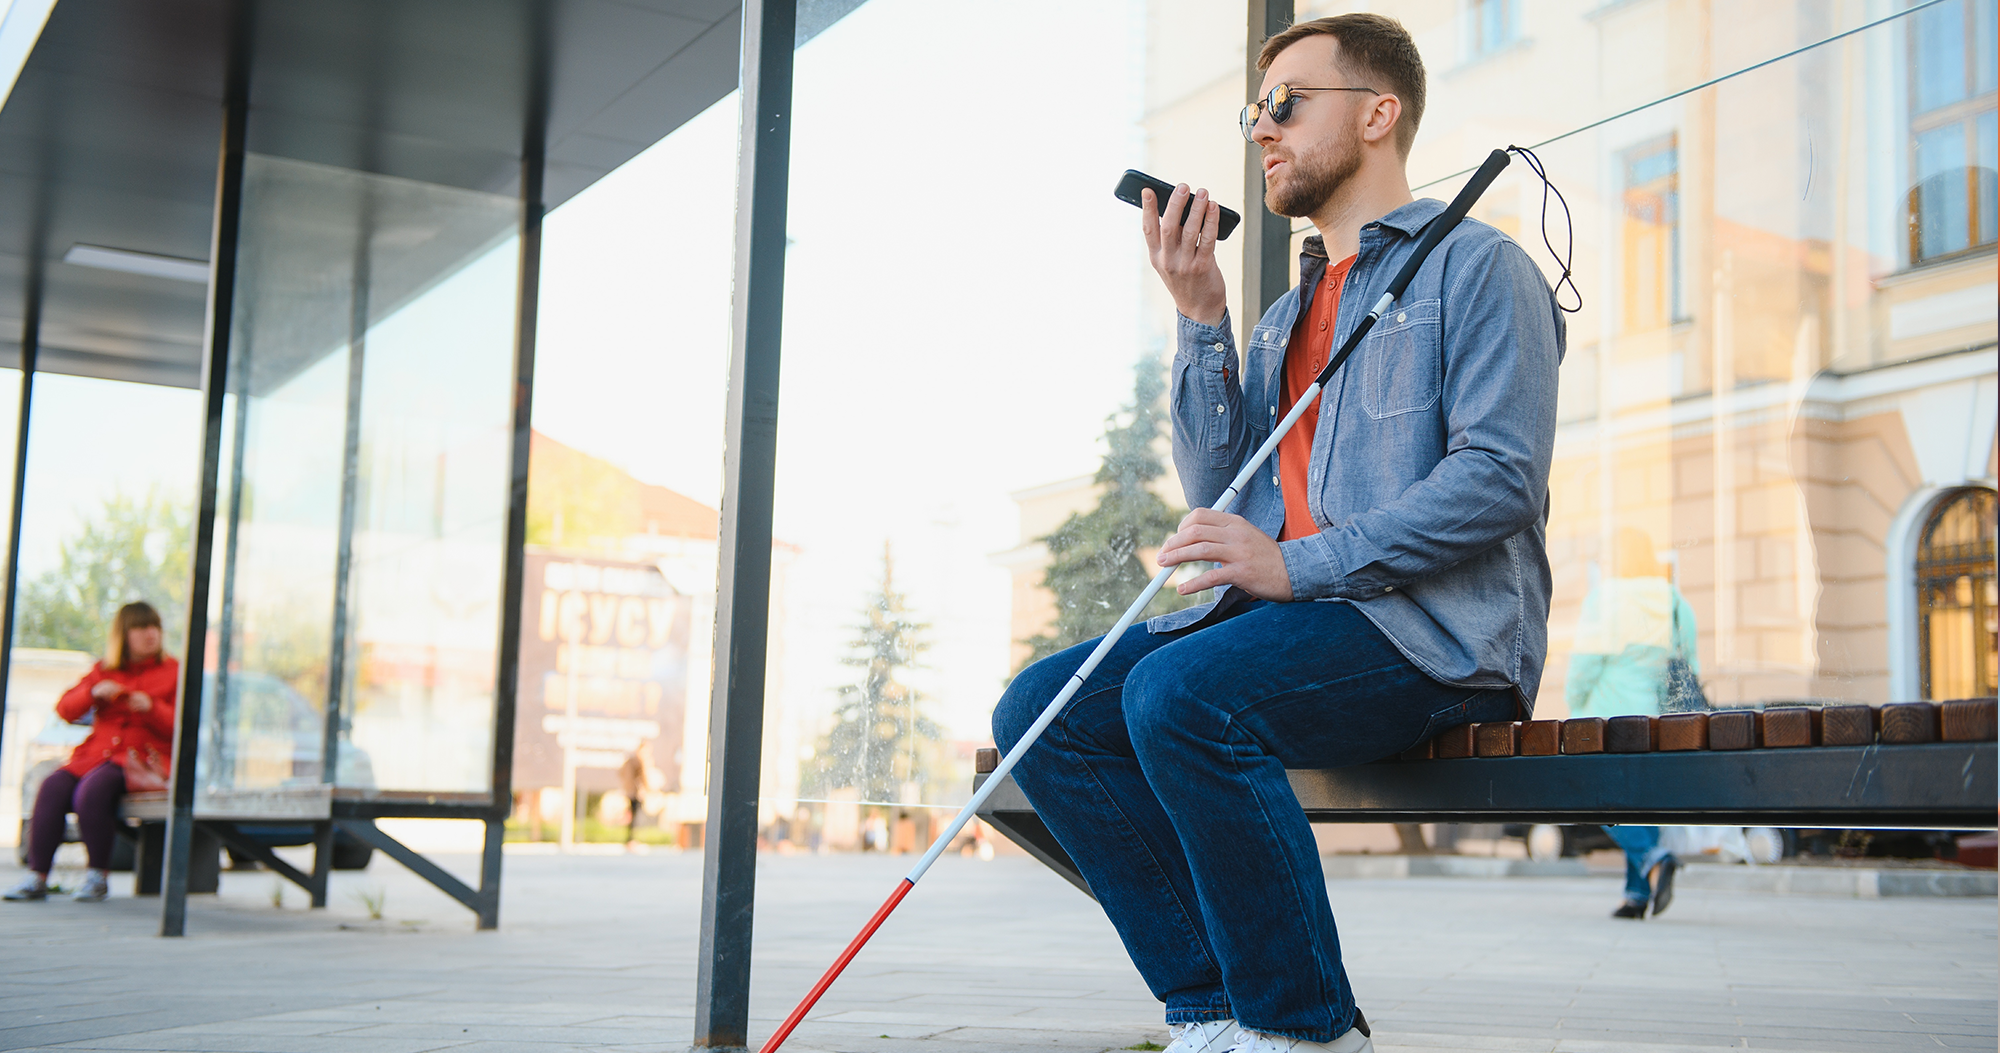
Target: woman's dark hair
<point>139,615</point>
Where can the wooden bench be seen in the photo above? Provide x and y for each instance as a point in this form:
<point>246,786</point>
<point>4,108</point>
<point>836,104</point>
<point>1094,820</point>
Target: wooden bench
<point>1903,766</point>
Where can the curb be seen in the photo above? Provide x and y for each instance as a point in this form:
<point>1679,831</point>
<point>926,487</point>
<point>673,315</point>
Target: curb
<point>1448,866</point>
<point>1855,883</point>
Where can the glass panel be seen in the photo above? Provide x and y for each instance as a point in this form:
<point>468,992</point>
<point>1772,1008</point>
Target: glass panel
<point>959,413</point>
<point>435,437</point>
<point>373,333</point>
<point>1941,186</point>
<point>1938,60</point>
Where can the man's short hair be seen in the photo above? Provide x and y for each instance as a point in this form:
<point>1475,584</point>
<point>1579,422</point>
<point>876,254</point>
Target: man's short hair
<point>1375,49</point>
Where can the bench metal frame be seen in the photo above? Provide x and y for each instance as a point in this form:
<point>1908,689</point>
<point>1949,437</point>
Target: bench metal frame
<point>1944,786</point>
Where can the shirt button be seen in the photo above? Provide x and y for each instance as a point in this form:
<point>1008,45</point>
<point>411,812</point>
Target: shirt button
<point>1220,408</point>
<point>1388,588</point>
<point>1402,316</point>
<point>1218,345</point>
<point>1322,325</point>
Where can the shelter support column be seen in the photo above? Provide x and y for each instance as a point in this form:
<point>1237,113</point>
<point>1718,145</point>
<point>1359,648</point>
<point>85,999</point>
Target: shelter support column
<point>1267,236</point>
<point>31,345</point>
<point>736,727</point>
<point>214,385</point>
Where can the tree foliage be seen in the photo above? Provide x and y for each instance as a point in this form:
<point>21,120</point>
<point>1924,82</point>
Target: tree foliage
<point>881,740</point>
<point>1095,569</point>
<point>133,548</point>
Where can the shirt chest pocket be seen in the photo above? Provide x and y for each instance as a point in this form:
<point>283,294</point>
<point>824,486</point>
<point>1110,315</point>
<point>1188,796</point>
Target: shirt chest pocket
<point>1402,360</point>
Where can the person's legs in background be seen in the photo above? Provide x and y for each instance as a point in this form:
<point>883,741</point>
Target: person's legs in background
<point>45,833</point>
<point>1643,856</point>
<point>96,807</point>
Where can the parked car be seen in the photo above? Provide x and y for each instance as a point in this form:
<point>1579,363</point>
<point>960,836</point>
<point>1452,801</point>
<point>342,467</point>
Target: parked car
<point>260,705</point>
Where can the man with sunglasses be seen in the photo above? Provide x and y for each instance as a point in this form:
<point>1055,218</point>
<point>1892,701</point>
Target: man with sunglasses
<point>1385,579</point>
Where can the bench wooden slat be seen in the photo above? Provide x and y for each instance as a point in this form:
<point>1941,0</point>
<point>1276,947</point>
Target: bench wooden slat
<point>1683,731</point>
<point>1969,720</point>
<point>1847,725</point>
<point>1733,729</point>
<point>1789,727</point>
<point>1497,740</point>
<point>1583,735</point>
<point>1631,734</point>
<point>1909,723</point>
<point>1454,743</point>
<point>1541,738</point>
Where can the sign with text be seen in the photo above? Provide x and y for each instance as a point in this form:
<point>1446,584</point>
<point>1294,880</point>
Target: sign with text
<point>613,637</point>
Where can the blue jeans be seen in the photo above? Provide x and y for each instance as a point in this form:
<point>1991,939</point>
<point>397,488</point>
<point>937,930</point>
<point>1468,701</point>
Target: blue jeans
<point>1642,854</point>
<point>1164,779</point>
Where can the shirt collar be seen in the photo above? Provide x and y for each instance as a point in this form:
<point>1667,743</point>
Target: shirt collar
<point>1408,219</point>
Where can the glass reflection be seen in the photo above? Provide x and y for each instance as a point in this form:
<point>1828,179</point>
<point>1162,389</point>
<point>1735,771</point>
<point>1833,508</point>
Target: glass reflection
<point>364,487</point>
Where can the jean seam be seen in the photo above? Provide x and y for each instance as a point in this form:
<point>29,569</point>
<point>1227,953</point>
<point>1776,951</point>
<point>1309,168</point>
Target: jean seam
<point>1231,729</point>
<point>1130,830</point>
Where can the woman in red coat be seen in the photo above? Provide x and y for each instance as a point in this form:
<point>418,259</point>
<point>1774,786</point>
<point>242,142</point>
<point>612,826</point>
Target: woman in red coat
<point>131,697</point>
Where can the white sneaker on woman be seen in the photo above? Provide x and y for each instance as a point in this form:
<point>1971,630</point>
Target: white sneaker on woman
<point>1207,1036</point>
<point>1258,1042</point>
<point>94,889</point>
<point>31,889</point>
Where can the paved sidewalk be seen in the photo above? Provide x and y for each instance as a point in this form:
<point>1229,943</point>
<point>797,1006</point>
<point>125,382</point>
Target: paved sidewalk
<point>597,953</point>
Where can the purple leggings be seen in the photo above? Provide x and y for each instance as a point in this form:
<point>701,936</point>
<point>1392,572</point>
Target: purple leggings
<point>94,799</point>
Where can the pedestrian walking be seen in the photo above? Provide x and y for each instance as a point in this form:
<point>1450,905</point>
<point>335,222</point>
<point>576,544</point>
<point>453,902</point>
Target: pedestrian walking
<point>1635,654</point>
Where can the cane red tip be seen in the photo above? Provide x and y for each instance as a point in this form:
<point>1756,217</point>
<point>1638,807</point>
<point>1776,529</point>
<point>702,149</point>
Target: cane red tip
<point>881,915</point>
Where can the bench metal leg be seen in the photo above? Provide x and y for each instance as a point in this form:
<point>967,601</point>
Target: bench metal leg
<point>235,839</point>
<point>149,858</point>
<point>322,863</point>
<point>474,900</point>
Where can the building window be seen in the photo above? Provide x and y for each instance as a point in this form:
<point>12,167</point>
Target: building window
<point>1952,207</point>
<point>1490,25</point>
<point>1956,590</point>
<point>1652,235</point>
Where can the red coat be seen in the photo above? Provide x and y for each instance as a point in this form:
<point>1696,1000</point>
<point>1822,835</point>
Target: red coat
<point>118,729</point>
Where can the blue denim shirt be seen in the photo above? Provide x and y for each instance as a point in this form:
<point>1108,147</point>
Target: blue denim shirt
<point>1429,476</point>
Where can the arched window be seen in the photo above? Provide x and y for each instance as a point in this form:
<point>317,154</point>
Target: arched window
<point>1956,593</point>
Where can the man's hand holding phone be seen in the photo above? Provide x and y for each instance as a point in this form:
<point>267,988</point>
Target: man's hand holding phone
<point>1183,252</point>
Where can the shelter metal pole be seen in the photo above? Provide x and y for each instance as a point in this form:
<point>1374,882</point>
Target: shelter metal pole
<point>1267,236</point>
<point>743,595</point>
<point>527,307</point>
<point>339,669</point>
<point>214,386</point>
<point>31,347</point>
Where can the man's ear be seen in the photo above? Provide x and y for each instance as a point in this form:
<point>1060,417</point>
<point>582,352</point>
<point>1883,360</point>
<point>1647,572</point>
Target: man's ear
<point>1382,118</point>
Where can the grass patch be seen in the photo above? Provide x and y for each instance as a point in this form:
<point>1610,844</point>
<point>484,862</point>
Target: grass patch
<point>1144,1044</point>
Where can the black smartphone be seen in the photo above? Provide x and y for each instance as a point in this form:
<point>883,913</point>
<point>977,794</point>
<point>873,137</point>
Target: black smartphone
<point>1135,181</point>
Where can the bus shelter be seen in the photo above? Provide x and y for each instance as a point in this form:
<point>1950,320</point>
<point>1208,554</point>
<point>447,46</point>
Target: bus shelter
<point>326,217</point>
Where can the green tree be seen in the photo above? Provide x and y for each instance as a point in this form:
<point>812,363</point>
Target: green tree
<point>133,548</point>
<point>881,740</point>
<point>1094,567</point>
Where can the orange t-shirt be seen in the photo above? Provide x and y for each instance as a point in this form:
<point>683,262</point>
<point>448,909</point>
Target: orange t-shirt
<point>1311,345</point>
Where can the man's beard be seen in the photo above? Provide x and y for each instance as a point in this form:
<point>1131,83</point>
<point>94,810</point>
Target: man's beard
<point>1315,176</point>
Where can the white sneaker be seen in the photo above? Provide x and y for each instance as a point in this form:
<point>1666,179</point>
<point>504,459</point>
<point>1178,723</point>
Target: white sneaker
<point>94,888</point>
<point>1208,1036</point>
<point>1258,1042</point>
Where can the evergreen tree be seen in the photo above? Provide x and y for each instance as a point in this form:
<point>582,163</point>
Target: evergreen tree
<point>134,548</point>
<point>1095,570</point>
<point>881,740</point>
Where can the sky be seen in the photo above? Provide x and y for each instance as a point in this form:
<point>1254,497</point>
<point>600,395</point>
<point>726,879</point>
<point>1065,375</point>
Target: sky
<point>962,300</point>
